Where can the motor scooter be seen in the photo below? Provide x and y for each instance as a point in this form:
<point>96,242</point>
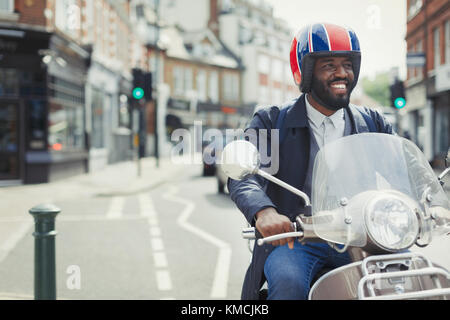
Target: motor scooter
<point>375,195</point>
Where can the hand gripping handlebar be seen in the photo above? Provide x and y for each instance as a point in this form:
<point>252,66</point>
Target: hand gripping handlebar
<point>252,233</point>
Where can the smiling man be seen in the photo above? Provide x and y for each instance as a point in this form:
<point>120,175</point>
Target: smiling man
<point>331,84</point>
<point>325,62</point>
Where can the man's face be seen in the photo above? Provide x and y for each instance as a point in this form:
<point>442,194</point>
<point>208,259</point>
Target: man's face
<point>332,80</point>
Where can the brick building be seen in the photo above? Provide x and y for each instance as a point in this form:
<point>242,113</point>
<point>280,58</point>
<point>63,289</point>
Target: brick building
<point>65,87</point>
<point>204,80</point>
<point>428,87</point>
<point>106,28</point>
<point>42,74</point>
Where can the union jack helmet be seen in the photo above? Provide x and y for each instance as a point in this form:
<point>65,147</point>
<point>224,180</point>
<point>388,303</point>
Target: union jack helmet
<point>320,40</point>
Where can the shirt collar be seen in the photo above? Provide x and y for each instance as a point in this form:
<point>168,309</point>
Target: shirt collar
<point>317,117</point>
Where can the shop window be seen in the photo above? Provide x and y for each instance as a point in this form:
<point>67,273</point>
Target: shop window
<point>97,135</point>
<point>442,129</point>
<point>9,82</point>
<point>15,82</point>
<point>8,128</point>
<point>36,124</point>
<point>124,112</point>
<point>65,115</point>
<point>65,127</point>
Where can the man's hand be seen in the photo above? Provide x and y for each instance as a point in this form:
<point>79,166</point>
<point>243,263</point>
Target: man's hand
<point>269,222</point>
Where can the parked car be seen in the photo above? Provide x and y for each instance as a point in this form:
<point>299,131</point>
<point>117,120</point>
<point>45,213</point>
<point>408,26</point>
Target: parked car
<point>209,169</point>
<point>221,177</point>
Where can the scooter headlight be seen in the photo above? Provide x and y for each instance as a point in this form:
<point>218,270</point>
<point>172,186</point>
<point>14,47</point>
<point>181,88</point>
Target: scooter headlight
<point>391,222</point>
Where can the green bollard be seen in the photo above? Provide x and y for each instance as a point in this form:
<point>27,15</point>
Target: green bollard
<point>44,251</point>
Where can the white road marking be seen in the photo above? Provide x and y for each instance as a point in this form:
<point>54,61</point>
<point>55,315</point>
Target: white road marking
<point>155,231</point>
<point>163,280</point>
<point>147,211</point>
<point>147,207</point>
<point>116,208</point>
<point>160,259</point>
<point>221,274</point>
<point>152,221</point>
<point>157,244</point>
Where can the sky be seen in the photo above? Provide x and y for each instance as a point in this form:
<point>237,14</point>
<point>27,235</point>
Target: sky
<point>379,24</point>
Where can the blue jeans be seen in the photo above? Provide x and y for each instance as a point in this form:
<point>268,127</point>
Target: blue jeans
<point>289,272</point>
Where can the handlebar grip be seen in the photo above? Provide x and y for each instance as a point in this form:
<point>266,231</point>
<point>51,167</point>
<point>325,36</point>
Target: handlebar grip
<point>251,233</point>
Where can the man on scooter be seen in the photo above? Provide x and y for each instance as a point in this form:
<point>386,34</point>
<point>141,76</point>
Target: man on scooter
<point>325,61</point>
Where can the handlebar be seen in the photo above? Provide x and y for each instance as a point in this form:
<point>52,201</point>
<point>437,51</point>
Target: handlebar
<point>253,234</point>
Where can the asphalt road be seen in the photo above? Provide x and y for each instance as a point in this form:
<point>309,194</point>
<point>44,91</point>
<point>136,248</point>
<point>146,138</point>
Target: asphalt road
<point>181,240</point>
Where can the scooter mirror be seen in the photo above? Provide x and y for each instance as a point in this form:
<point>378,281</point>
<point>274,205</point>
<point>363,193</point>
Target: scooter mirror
<point>239,159</point>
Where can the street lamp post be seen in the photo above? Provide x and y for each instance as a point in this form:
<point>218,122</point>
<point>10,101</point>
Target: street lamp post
<point>157,82</point>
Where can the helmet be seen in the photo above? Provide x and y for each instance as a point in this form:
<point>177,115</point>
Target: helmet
<point>319,40</point>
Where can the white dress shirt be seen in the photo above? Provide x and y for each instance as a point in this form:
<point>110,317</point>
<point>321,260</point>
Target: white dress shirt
<point>325,129</point>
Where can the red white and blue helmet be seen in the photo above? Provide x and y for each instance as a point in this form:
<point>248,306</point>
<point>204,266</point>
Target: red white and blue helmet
<point>320,40</point>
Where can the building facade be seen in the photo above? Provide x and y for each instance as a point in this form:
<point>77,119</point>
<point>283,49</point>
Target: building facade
<point>428,86</point>
<point>65,87</point>
<point>42,76</point>
<point>203,78</point>
<point>197,80</point>
<point>250,30</point>
<point>106,27</point>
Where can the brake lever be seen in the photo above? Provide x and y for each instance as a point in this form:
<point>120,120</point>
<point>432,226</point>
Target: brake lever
<point>296,234</point>
<point>252,233</point>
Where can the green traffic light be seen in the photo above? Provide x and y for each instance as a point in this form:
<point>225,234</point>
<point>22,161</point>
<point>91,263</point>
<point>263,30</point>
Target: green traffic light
<point>400,103</point>
<point>138,93</point>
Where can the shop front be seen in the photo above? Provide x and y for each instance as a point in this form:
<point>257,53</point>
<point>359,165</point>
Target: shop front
<point>440,97</point>
<point>42,136</point>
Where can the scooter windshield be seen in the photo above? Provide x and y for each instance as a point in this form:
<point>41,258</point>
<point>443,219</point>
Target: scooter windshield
<point>353,165</point>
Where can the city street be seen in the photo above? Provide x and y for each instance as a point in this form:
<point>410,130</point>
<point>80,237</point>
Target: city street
<point>175,238</point>
<point>107,106</point>
<point>180,240</point>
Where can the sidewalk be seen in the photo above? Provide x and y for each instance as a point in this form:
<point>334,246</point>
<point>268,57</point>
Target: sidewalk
<point>115,179</point>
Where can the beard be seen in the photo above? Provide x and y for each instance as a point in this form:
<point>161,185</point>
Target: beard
<point>321,92</point>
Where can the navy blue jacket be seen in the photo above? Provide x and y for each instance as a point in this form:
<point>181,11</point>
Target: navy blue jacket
<point>254,193</point>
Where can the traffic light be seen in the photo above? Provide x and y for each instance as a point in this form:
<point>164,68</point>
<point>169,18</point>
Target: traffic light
<point>148,86</point>
<point>398,99</point>
<point>138,84</point>
<point>142,85</point>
